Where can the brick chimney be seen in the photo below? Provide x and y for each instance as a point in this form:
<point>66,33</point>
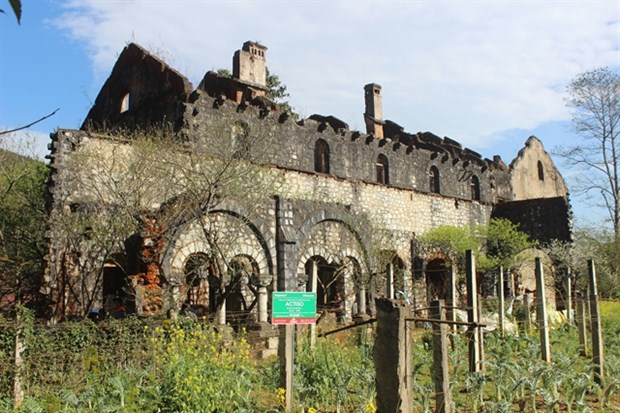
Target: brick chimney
<point>373,115</point>
<point>250,64</point>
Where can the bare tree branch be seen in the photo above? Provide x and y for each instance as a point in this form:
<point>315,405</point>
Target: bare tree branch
<point>6,132</point>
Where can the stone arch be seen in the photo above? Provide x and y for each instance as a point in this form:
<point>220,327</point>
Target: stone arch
<point>237,237</point>
<point>332,244</point>
<point>190,239</point>
<point>331,214</point>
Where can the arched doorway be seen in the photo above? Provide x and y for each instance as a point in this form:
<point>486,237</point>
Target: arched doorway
<point>241,296</point>
<point>329,282</point>
<point>115,287</point>
<point>202,282</point>
<point>438,286</point>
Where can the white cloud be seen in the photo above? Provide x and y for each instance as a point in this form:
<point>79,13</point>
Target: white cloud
<point>466,69</point>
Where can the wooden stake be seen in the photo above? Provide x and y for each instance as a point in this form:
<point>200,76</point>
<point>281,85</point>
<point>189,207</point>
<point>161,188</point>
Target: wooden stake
<point>597,333</point>
<point>581,324</point>
<point>541,313</point>
<point>500,301</point>
<point>472,312</point>
<point>441,375</point>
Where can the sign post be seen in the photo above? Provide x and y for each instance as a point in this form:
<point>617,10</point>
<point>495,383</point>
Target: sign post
<point>289,308</point>
<point>293,308</point>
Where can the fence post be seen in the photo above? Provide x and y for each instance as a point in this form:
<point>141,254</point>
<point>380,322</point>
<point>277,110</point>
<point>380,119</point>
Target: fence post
<point>541,312</point>
<point>569,296</point>
<point>452,302</point>
<point>286,354</point>
<point>527,313</point>
<point>18,390</point>
<point>391,358</point>
<point>500,300</point>
<point>472,312</point>
<point>597,333</point>
<point>441,375</point>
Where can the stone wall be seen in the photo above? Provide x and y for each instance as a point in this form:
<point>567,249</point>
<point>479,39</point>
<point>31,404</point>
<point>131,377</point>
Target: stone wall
<point>327,193</point>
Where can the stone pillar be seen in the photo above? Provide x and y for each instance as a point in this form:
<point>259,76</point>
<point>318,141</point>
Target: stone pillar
<point>541,313</point>
<point>221,314</point>
<point>361,300</point>
<point>263,299</point>
<point>286,259</point>
<point>392,358</point>
<point>389,293</point>
<point>313,282</point>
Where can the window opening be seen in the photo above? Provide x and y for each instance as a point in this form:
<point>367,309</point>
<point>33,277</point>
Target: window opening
<point>433,180</point>
<point>541,171</point>
<point>321,157</point>
<point>475,188</point>
<point>382,169</point>
<point>125,103</point>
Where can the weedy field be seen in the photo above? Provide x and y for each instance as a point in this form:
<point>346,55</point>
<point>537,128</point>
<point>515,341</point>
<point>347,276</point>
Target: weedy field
<point>135,365</point>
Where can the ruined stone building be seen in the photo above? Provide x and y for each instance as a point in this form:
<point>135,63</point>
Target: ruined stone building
<point>342,215</point>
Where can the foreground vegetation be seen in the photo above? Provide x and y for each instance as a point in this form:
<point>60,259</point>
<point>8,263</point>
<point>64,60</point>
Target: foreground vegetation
<point>135,365</point>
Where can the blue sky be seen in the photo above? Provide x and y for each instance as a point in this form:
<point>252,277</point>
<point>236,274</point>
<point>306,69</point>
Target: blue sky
<point>486,73</point>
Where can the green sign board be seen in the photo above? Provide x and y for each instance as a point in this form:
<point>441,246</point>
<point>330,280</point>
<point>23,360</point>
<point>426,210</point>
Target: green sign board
<point>293,308</point>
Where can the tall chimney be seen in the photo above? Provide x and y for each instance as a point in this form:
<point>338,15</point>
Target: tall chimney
<point>373,115</point>
<point>250,64</point>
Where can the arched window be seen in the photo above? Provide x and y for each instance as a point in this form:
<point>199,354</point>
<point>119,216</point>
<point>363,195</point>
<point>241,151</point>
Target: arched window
<point>541,171</point>
<point>383,171</point>
<point>475,188</point>
<point>433,180</point>
<point>321,157</point>
<point>125,103</point>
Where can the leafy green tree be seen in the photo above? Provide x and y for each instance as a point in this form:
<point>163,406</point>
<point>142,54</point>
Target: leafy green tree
<point>503,242</point>
<point>22,228</point>
<point>452,241</point>
<point>278,93</point>
<point>496,244</point>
